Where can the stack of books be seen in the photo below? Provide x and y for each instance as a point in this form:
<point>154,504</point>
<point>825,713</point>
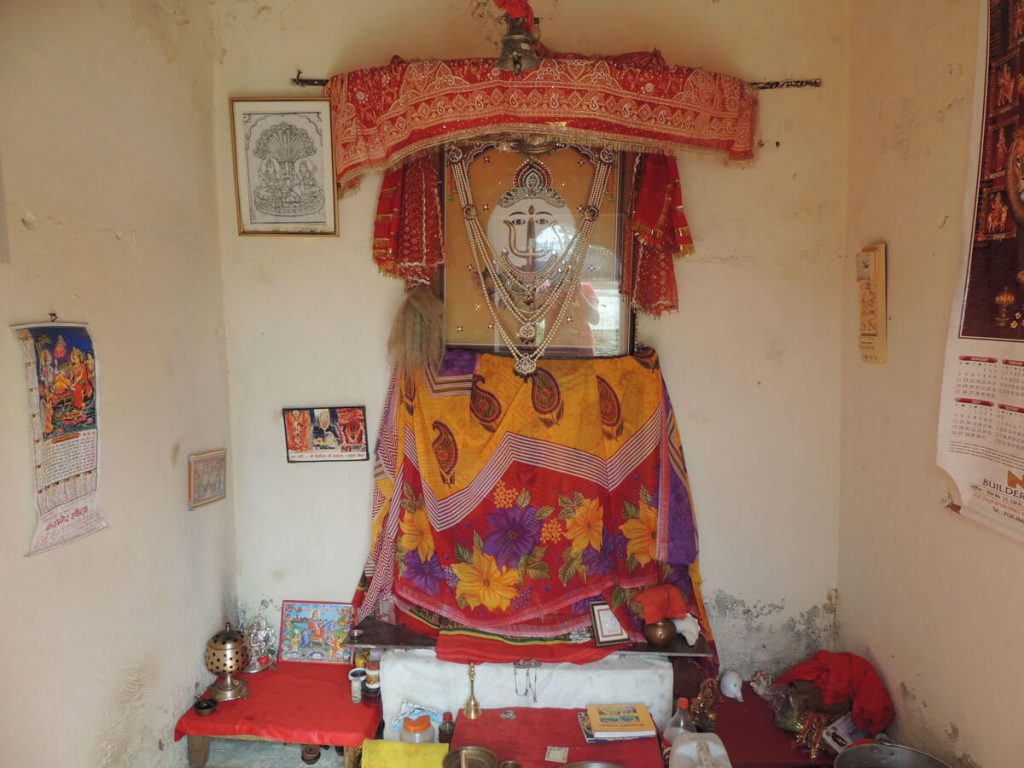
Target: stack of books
<point>615,722</point>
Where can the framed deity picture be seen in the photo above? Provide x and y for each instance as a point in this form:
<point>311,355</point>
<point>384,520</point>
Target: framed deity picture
<point>207,477</point>
<point>315,631</point>
<point>284,166</point>
<point>607,629</point>
<point>335,433</point>
<point>533,249</point>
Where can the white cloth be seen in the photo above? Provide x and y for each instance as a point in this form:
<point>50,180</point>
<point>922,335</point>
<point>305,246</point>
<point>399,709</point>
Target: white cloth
<point>416,676</point>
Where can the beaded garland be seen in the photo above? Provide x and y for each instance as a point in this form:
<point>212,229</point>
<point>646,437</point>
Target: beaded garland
<point>565,270</point>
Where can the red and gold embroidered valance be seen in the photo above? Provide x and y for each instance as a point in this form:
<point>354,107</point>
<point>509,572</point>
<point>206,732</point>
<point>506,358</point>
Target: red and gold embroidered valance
<point>634,101</point>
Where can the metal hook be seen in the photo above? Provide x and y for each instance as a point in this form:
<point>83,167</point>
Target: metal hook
<point>53,317</point>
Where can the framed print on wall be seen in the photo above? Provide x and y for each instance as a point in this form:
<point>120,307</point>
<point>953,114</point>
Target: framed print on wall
<point>284,166</point>
<point>326,434</point>
<point>207,477</point>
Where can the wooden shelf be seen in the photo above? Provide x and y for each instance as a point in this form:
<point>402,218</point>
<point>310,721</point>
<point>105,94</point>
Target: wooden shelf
<point>374,633</point>
<point>677,647</point>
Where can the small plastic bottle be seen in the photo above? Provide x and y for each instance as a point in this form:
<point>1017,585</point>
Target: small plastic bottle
<point>679,722</point>
<point>417,730</point>
<point>446,729</point>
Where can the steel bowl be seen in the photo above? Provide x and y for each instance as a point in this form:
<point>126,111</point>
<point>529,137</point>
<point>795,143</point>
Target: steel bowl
<point>470,757</point>
<point>884,755</point>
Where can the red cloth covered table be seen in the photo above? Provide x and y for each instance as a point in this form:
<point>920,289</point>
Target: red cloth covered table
<point>527,737</point>
<point>298,703</point>
<point>752,740</point>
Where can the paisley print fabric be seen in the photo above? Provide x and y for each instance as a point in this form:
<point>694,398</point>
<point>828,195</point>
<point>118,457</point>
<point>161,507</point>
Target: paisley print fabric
<point>502,506</point>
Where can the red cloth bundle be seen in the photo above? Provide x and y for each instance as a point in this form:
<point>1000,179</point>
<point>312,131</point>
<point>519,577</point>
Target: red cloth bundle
<point>662,602</point>
<point>844,676</point>
<point>518,9</point>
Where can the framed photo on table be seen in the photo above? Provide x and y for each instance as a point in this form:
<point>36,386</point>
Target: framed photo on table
<point>607,629</point>
<point>315,631</point>
<point>284,166</point>
<point>207,477</point>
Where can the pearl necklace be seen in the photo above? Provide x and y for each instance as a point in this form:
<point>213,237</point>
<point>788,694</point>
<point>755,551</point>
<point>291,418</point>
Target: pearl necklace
<point>571,261</point>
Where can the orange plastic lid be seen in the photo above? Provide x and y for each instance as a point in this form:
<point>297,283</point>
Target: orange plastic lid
<point>683,701</point>
<point>417,724</point>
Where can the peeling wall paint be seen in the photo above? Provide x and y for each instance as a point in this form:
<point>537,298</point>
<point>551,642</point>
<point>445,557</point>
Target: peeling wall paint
<point>765,635</point>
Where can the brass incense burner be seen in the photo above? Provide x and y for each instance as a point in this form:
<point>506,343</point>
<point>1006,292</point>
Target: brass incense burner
<point>227,652</point>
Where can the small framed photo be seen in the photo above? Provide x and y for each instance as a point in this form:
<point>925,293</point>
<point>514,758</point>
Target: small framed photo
<point>284,166</point>
<point>315,631</point>
<point>207,477</point>
<point>607,629</point>
<point>336,433</point>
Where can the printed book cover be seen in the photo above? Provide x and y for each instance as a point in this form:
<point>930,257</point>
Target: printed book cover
<point>618,721</point>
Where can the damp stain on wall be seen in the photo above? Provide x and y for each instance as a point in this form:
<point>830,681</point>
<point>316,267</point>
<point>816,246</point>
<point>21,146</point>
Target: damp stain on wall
<point>915,727</point>
<point>161,19</point>
<point>765,635</point>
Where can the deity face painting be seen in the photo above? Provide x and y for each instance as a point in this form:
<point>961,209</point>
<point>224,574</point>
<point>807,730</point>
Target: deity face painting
<point>531,222</point>
<point>323,418</point>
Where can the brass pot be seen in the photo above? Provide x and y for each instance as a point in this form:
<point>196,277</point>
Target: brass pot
<point>227,652</point>
<point>660,633</point>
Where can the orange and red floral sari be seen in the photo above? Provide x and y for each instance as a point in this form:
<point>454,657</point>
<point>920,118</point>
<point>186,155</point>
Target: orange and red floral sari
<point>504,506</point>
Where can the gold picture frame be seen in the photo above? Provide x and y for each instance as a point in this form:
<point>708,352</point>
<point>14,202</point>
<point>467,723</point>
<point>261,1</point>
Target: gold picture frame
<point>207,477</point>
<point>600,321</point>
<point>284,166</point>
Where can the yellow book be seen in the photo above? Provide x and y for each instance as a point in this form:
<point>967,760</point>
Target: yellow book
<point>620,721</point>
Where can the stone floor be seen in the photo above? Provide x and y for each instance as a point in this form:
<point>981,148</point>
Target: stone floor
<point>227,753</point>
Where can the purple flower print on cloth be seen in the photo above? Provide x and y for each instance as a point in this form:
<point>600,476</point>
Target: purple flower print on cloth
<point>513,533</point>
<point>424,574</point>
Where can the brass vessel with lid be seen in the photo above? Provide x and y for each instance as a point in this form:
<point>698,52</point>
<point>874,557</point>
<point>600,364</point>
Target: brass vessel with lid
<point>227,652</point>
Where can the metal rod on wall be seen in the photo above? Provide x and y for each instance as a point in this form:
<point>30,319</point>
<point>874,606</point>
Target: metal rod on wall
<point>305,81</point>
<point>761,85</point>
<point>771,85</point>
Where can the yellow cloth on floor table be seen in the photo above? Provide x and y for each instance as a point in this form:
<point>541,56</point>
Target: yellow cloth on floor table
<point>398,754</point>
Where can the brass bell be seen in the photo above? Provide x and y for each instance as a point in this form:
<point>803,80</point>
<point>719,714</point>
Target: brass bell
<point>517,54</point>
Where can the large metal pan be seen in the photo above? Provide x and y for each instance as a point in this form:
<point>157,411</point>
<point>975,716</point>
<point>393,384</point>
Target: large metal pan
<point>885,755</point>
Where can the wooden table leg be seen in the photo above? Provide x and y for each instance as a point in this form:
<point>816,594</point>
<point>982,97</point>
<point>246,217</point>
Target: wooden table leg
<point>198,750</point>
<point>352,756</point>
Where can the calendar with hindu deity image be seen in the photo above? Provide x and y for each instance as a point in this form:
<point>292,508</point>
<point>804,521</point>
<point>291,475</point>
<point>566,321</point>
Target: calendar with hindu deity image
<point>981,411</point>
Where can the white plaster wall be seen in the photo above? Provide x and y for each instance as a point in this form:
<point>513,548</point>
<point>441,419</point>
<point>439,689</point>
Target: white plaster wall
<point>931,598</point>
<point>751,359</point>
<point>106,145</point>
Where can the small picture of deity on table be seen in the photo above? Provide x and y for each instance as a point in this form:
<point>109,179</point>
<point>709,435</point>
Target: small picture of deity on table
<point>326,434</point>
<point>315,631</point>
